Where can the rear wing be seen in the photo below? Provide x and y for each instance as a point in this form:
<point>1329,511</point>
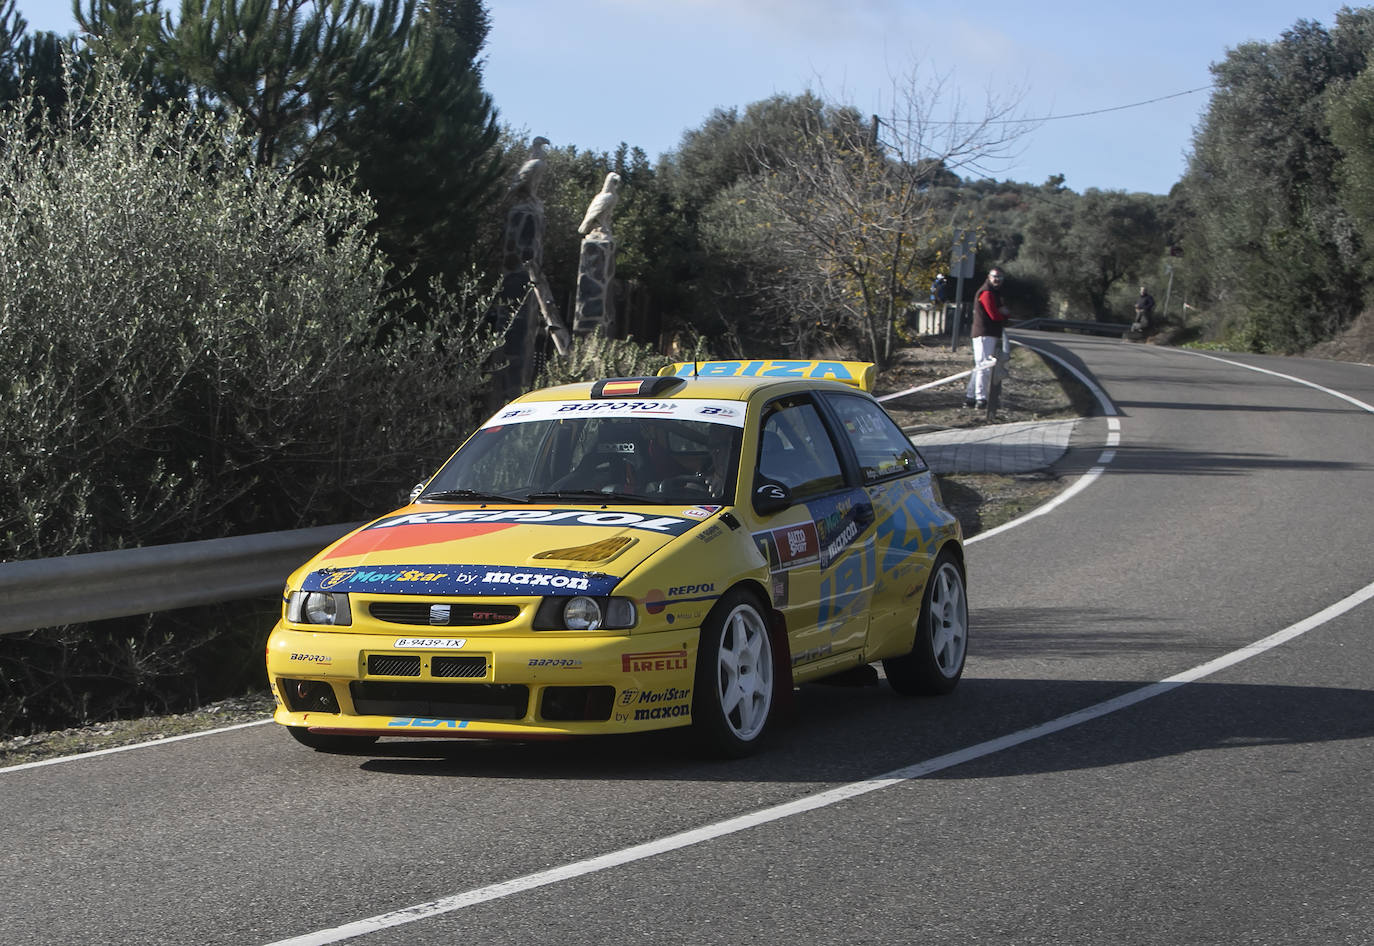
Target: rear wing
<point>860,374</point>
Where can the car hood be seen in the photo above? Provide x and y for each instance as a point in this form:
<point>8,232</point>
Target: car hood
<point>488,550</point>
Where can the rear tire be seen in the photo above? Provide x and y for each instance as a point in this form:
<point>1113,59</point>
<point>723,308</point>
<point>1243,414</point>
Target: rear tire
<point>329,742</point>
<point>936,661</point>
<point>732,699</point>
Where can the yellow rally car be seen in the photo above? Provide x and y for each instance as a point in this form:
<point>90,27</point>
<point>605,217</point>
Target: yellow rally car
<point>634,554</point>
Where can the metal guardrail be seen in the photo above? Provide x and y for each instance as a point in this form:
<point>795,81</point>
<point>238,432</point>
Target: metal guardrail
<point>97,586</point>
<point>100,585</point>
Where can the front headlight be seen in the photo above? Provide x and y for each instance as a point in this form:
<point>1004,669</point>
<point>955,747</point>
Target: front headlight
<point>319,607</point>
<point>585,613</point>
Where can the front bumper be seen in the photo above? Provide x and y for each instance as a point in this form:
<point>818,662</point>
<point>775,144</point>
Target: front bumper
<point>535,685</point>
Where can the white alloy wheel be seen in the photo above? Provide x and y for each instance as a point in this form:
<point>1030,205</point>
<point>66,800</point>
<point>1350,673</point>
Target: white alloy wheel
<point>744,673</point>
<point>940,643</point>
<point>947,620</point>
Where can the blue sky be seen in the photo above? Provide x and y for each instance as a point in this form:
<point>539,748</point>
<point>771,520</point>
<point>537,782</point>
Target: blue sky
<point>593,73</point>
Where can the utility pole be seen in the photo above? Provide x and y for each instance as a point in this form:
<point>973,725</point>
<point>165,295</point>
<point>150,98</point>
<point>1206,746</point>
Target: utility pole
<point>1169,268</point>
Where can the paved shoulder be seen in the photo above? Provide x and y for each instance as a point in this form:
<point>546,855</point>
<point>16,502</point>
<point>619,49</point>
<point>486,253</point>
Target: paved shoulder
<point>998,448</point>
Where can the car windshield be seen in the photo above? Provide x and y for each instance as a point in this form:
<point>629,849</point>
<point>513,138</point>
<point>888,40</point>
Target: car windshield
<point>593,458</point>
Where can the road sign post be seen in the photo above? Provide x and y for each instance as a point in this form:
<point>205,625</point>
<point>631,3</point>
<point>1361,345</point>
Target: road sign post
<point>961,268</point>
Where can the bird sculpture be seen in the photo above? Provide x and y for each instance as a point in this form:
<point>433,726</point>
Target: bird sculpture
<point>526,182</point>
<point>599,210</point>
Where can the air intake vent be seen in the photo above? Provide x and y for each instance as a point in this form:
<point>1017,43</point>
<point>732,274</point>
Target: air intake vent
<point>393,665</point>
<point>466,667</point>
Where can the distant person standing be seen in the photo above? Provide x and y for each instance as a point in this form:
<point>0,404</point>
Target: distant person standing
<point>1144,311</point>
<point>939,289</point>
<point>989,318</point>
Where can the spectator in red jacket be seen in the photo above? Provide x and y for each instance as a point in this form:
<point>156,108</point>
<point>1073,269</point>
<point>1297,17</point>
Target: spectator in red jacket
<point>989,318</point>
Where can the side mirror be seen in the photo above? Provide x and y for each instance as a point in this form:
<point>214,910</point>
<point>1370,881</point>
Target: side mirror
<point>770,496</point>
<point>417,489</point>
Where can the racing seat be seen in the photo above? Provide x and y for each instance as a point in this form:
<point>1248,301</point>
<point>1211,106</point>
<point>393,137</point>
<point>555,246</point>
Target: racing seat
<point>614,463</point>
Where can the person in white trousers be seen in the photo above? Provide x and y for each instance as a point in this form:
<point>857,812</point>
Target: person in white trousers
<point>989,318</point>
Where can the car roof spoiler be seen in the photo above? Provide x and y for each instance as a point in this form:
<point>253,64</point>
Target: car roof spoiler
<point>860,374</point>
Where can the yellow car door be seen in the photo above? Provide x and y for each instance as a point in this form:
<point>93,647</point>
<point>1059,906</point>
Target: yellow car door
<point>821,548</point>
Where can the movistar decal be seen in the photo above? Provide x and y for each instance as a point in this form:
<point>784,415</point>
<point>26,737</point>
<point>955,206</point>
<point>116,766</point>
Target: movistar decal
<point>460,580</point>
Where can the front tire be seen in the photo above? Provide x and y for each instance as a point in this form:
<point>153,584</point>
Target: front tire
<point>936,661</point>
<point>732,702</point>
<point>322,742</point>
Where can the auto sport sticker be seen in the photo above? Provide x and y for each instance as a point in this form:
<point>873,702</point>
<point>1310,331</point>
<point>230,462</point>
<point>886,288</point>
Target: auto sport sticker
<point>789,546</point>
<point>460,580</point>
<point>431,528</point>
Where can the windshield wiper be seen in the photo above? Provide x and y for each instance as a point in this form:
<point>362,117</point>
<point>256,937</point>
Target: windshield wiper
<point>562,494</point>
<point>466,495</point>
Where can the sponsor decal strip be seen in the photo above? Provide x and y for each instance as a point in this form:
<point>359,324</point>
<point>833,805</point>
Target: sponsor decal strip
<point>727,413</point>
<point>667,525</point>
<point>460,580</point>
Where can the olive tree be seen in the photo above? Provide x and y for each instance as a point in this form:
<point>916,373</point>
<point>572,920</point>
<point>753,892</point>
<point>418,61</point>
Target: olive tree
<point>191,346</point>
<point>844,221</point>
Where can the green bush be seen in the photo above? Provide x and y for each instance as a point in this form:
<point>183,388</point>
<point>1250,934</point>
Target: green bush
<point>595,356</point>
<point>192,346</point>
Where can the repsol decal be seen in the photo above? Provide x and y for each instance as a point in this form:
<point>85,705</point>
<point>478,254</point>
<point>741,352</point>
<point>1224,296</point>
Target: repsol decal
<point>668,525</point>
<point>422,722</point>
<point>416,529</point>
<point>655,601</point>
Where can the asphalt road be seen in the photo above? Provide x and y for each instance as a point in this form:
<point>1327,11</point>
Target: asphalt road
<point>1059,796</point>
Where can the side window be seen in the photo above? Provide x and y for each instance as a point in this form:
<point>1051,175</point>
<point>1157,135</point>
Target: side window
<point>881,447</point>
<point>796,450</point>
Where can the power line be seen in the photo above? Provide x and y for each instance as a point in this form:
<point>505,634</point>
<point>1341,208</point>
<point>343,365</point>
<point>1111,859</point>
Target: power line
<point>1055,118</point>
<point>1100,111</point>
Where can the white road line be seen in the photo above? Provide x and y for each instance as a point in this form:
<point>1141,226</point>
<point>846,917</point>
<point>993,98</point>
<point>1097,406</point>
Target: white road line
<point>639,852</point>
<point>1287,377</point>
<point>135,745</point>
<point>1088,478</point>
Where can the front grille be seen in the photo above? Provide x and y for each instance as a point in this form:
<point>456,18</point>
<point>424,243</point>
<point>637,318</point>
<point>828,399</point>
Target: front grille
<point>440,700</point>
<point>442,613</point>
<point>393,665</point>
<point>458,667</point>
